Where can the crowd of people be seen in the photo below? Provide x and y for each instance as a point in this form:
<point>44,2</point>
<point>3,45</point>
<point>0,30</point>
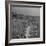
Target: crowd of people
<point>25,26</point>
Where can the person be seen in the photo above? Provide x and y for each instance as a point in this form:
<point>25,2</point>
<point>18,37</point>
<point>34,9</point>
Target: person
<point>28,29</point>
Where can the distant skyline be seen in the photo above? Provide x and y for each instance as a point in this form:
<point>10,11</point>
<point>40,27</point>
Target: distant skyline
<point>26,11</point>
